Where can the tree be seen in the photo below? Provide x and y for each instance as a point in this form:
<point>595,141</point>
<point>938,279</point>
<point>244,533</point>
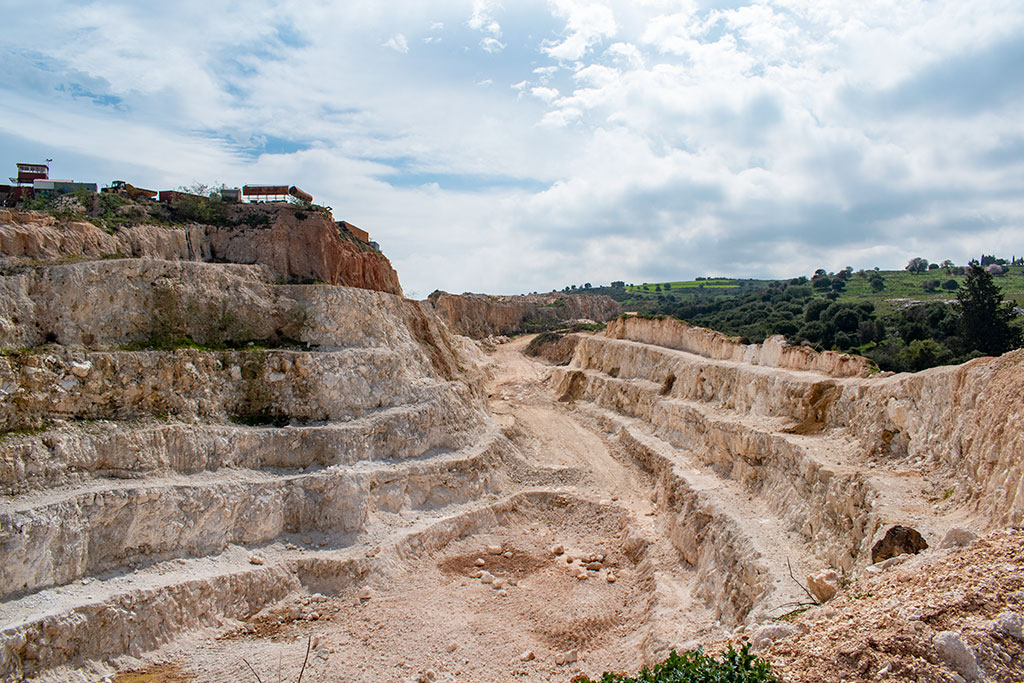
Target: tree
<point>985,319</point>
<point>950,284</point>
<point>917,265</point>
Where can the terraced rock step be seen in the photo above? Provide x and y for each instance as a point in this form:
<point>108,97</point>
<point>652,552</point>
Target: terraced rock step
<point>70,453</point>
<point>58,536</point>
<point>264,385</point>
<point>741,551</point>
<point>131,613</point>
<point>821,485</point>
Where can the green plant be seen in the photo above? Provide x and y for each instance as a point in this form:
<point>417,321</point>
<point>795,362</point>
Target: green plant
<point>693,666</point>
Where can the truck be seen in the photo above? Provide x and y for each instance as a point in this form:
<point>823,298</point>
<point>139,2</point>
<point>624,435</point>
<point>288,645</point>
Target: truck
<point>123,189</point>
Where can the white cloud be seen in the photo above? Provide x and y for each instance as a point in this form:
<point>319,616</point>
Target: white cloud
<point>482,18</point>
<point>397,43</point>
<point>587,23</point>
<point>651,139</point>
<point>546,94</point>
<point>492,45</point>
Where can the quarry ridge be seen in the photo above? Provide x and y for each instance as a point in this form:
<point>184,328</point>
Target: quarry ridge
<point>223,444</point>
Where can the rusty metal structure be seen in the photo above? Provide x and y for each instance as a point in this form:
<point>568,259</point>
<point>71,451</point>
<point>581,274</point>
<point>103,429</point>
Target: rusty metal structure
<point>274,193</point>
<point>358,233</point>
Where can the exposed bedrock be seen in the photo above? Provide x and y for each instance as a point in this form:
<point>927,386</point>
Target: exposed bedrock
<point>482,315</point>
<point>292,244</point>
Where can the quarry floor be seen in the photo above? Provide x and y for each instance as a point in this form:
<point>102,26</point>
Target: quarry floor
<point>431,620</point>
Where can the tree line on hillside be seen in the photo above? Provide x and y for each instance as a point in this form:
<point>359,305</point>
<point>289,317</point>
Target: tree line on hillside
<point>915,336</point>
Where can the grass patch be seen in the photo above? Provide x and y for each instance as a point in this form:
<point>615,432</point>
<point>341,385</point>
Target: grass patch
<point>24,431</point>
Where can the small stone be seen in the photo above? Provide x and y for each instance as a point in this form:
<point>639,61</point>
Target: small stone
<point>494,550</point>
<point>507,554</point>
<point>568,559</point>
<point>503,593</point>
<point>306,540</point>
<point>958,537</point>
<point>486,577</point>
<point>366,593</point>
<point>610,578</point>
<point>527,656</point>
<point>557,550</point>
<point>452,646</point>
<point>290,546</point>
<point>498,583</point>
<point>512,582</point>
<point>594,566</point>
<point>581,575</point>
<point>823,585</point>
<point>568,657</point>
<point>81,369</point>
<point>480,562</point>
<point>313,616</point>
<point>475,574</point>
<point>1011,624</point>
<point>255,559</point>
<point>952,650</point>
<point>765,635</point>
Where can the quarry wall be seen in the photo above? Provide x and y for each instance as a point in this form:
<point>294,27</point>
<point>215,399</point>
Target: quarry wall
<point>481,315</point>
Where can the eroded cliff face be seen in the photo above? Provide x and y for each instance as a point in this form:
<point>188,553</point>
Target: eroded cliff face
<point>481,315</point>
<point>292,244</point>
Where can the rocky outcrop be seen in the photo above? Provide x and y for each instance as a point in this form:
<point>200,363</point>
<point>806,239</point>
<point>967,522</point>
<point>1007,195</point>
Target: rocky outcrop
<point>774,352</point>
<point>293,245</point>
<point>482,315</point>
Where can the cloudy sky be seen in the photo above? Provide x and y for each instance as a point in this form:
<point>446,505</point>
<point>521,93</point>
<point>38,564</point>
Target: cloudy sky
<point>526,145</point>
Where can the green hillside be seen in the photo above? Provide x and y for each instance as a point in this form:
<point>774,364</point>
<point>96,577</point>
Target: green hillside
<point>900,319</point>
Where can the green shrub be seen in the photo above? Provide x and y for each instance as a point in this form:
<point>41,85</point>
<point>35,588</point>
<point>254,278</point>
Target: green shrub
<point>694,666</point>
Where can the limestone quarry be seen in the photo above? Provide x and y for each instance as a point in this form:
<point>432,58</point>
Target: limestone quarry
<point>228,455</point>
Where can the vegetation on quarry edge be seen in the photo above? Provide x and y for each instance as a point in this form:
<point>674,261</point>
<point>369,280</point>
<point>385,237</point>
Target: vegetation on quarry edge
<point>855,312</point>
<point>693,666</point>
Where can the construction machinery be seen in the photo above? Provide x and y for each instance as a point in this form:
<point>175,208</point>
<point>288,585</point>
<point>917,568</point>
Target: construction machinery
<point>123,189</point>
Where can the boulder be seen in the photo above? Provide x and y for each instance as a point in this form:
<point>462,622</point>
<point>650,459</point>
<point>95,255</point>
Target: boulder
<point>823,585</point>
<point>955,653</point>
<point>958,537</point>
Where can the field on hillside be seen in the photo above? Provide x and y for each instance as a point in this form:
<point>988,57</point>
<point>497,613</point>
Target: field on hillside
<point>899,285</point>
